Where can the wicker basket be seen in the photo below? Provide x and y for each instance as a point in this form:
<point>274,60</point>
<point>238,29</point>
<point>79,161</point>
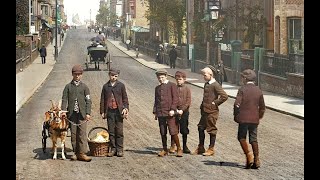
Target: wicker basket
<point>98,148</point>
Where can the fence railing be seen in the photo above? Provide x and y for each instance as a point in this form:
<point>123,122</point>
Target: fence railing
<point>279,64</point>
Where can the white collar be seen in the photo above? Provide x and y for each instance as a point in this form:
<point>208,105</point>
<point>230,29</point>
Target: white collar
<point>250,82</point>
<point>212,81</point>
<point>165,82</point>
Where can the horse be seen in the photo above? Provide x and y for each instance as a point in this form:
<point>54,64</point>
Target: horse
<point>58,127</point>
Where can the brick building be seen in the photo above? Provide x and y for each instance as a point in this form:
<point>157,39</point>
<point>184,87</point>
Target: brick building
<point>289,26</point>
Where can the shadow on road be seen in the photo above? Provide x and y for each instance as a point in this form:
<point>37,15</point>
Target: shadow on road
<point>149,150</point>
<point>221,163</point>
<point>39,154</point>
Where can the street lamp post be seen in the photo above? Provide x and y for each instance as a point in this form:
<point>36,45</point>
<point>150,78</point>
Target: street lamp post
<point>56,33</point>
<point>213,7</point>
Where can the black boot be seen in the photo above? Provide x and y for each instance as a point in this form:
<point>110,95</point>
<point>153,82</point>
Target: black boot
<point>210,151</point>
<point>185,147</point>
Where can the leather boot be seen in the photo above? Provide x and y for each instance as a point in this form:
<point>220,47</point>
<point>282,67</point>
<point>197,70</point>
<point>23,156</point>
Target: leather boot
<point>164,152</point>
<point>111,153</point>
<point>73,157</point>
<point>185,147</point>
<point>210,150</point>
<point>249,155</point>
<point>177,142</point>
<point>83,157</point>
<point>173,146</point>
<point>200,149</point>
<point>120,153</point>
<point>255,148</point>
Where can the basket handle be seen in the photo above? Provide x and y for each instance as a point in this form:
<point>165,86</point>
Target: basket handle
<point>97,128</point>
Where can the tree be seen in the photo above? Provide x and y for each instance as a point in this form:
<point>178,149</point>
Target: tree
<point>250,20</point>
<point>103,16</point>
<point>22,17</point>
<point>167,14</point>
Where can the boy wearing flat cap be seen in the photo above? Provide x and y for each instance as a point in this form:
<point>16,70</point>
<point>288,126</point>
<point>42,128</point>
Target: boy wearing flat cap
<point>114,106</point>
<point>213,96</point>
<point>249,108</point>
<point>164,108</point>
<point>76,100</point>
<point>182,115</point>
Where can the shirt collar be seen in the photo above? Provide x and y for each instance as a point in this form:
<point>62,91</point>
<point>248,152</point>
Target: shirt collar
<point>250,82</point>
<point>212,81</point>
<point>165,82</point>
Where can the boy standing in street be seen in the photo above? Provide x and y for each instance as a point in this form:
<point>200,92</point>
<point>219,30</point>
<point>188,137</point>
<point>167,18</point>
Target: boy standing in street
<point>165,106</point>
<point>249,108</point>
<point>213,96</point>
<point>114,106</point>
<point>76,100</point>
<point>182,116</point>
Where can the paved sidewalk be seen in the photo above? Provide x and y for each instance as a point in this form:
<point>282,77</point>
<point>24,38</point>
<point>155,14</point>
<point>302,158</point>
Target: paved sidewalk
<point>284,104</point>
<point>31,78</point>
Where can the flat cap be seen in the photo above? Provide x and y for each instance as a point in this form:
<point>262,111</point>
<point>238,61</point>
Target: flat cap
<point>161,72</point>
<point>180,74</point>
<point>249,75</point>
<point>77,69</point>
<point>114,71</point>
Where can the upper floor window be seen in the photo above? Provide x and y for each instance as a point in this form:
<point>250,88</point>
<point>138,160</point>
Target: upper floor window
<point>295,35</point>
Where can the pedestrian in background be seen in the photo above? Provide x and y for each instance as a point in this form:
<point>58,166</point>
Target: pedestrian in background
<point>43,54</point>
<point>62,35</point>
<point>76,100</point>
<point>114,106</point>
<point>221,72</point>
<point>249,108</point>
<point>173,57</point>
<point>182,115</point>
<point>164,108</point>
<point>213,97</point>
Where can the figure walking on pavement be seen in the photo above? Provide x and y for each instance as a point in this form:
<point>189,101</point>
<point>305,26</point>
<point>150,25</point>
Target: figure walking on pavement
<point>249,108</point>
<point>114,106</point>
<point>182,115</point>
<point>173,57</point>
<point>164,108</point>
<point>213,97</point>
<point>76,100</point>
<point>43,54</point>
<point>221,72</point>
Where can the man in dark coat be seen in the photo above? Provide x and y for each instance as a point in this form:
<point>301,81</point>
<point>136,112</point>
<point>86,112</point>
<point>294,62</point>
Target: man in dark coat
<point>114,106</point>
<point>43,54</point>
<point>173,57</point>
<point>76,100</point>
<point>164,108</point>
<point>249,108</point>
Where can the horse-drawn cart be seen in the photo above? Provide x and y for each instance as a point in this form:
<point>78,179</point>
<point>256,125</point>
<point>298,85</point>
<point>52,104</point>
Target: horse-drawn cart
<point>97,55</point>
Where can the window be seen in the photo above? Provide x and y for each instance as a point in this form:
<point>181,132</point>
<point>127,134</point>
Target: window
<point>295,35</point>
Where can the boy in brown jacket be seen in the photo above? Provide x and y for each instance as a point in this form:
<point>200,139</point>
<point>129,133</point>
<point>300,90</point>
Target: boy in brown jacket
<point>249,108</point>
<point>165,106</point>
<point>182,115</point>
<point>213,96</point>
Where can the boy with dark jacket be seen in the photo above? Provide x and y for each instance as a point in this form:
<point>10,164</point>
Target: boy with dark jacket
<point>182,115</point>
<point>249,108</point>
<point>164,108</point>
<point>76,100</point>
<point>114,106</point>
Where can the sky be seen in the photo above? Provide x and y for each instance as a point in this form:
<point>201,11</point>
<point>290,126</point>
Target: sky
<point>82,7</point>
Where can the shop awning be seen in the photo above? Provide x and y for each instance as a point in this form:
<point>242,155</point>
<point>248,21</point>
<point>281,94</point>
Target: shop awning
<point>139,29</point>
<point>46,25</point>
